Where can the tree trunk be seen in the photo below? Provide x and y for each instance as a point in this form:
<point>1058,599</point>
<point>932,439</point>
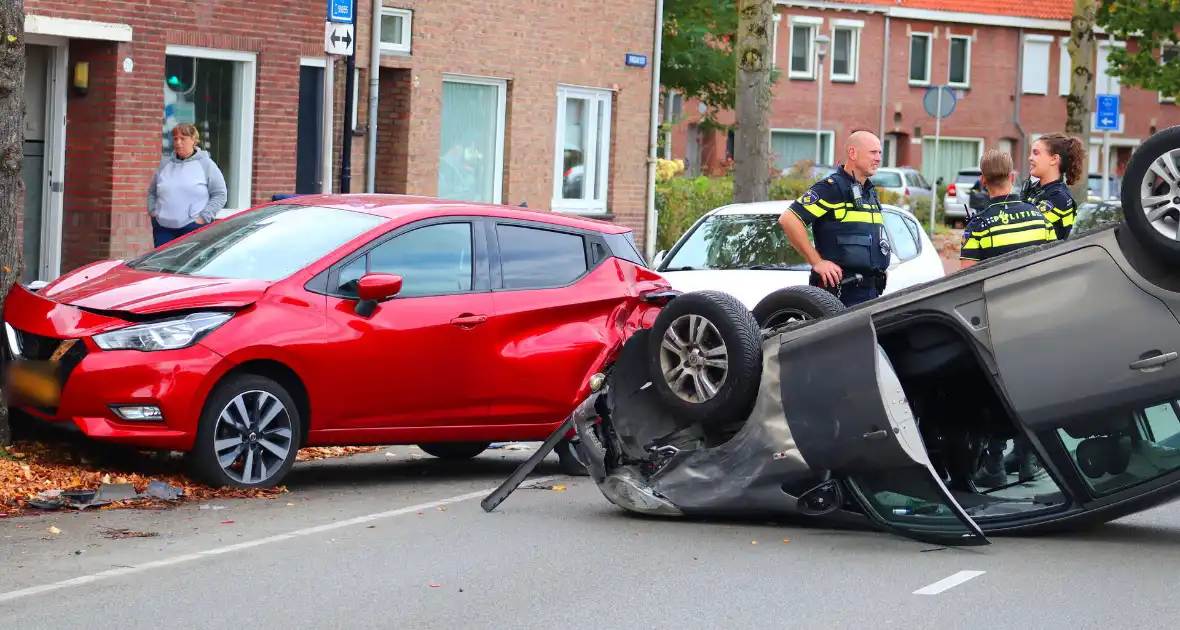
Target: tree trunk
<point>1080,102</point>
<point>12,138</point>
<point>751,150</point>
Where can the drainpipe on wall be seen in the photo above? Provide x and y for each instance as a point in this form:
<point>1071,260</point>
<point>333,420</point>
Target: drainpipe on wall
<point>1016,113</point>
<point>374,80</point>
<point>884,83</point>
<point>328,125</point>
<point>650,232</point>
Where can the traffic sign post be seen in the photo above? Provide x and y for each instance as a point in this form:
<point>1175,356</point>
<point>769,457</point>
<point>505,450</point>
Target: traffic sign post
<point>339,39</point>
<point>342,11</point>
<point>1106,119</point>
<point>939,102</point>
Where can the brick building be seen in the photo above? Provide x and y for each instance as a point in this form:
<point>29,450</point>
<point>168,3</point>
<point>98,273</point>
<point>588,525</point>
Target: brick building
<point>1007,64</point>
<point>470,103</point>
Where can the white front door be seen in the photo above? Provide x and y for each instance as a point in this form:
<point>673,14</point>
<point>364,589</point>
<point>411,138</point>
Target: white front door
<point>44,159</point>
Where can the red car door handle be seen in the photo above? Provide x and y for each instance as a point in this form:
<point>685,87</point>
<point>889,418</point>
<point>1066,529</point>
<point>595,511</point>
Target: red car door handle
<point>468,320</point>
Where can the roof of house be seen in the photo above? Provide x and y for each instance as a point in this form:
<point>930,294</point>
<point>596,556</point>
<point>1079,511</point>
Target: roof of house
<point>1038,9</point>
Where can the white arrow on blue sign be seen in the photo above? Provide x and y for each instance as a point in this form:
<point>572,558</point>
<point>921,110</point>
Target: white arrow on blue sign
<point>1107,112</point>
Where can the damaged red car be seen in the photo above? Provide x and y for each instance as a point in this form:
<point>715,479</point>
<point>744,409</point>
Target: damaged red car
<point>333,320</point>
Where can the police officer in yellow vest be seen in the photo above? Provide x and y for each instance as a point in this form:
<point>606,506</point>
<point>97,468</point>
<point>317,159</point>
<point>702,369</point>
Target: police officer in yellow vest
<point>1056,160</point>
<point>1006,225</point>
<point>845,215</point>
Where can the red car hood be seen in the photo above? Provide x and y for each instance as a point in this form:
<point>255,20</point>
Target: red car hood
<point>113,286</point>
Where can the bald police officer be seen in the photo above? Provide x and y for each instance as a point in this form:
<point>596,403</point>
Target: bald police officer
<point>845,215</point>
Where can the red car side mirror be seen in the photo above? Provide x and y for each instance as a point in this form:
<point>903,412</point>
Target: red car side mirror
<point>378,287</point>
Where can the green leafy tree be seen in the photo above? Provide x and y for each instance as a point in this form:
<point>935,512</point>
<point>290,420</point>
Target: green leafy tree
<point>697,53</point>
<point>1153,24</point>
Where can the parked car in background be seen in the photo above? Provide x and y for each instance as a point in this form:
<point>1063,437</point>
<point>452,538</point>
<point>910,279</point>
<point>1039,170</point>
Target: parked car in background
<point>905,182</point>
<point>741,249</point>
<point>956,202</point>
<point>333,320</point>
<point>1094,187</point>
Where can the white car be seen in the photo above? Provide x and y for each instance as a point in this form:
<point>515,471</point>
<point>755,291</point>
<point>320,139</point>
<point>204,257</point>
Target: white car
<point>741,249</point>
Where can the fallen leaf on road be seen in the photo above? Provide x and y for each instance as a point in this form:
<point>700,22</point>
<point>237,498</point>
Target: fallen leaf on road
<point>53,530</point>
<point>558,488</point>
<point>227,522</point>
<point>371,527</point>
<point>116,534</point>
<point>753,542</point>
<point>786,541</point>
<point>312,453</point>
<point>435,585</point>
<point>290,505</point>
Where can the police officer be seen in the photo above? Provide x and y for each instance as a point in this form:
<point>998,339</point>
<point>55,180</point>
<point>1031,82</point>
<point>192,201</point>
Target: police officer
<point>1054,155</point>
<point>1007,224</point>
<point>845,215</point>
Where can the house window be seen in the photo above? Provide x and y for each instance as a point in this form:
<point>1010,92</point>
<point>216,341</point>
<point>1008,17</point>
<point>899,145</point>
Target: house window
<point>1065,70</point>
<point>959,72</point>
<point>920,58</point>
<point>774,41</point>
<point>582,157</point>
<point>791,146</point>
<point>803,31</point>
<point>214,90</point>
<point>1103,82</point>
<point>395,30</point>
<point>471,150</point>
<point>845,50</point>
<point>1035,70</point>
<point>1169,55</point>
<point>954,154</point>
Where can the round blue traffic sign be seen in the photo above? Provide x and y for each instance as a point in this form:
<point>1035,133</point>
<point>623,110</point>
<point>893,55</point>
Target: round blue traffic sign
<point>931,102</point>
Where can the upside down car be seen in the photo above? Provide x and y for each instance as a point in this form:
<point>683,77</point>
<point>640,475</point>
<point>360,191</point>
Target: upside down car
<point>880,414</point>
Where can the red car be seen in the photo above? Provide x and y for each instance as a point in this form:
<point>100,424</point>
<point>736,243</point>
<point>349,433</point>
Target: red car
<point>334,320</point>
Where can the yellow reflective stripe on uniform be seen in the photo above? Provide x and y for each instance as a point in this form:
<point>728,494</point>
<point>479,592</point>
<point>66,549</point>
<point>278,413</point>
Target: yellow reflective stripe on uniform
<point>1014,238</point>
<point>858,216</point>
<point>813,209</point>
<point>1010,227</point>
<point>1068,220</point>
<point>833,206</point>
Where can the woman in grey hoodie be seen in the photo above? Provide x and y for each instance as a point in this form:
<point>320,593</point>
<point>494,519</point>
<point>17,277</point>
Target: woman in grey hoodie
<point>187,191</point>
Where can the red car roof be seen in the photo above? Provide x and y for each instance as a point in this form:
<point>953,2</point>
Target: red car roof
<point>412,206</point>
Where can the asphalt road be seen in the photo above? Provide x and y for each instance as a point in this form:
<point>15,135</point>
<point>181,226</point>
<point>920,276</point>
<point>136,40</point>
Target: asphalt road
<point>379,541</point>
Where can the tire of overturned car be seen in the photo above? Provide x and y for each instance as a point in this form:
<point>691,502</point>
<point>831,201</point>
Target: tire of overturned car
<point>702,341</point>
<point>1151,204</point>
<point>798,303</point>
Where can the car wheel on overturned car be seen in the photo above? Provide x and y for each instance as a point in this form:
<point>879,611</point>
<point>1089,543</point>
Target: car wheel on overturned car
<point>705,357</point>
<point>1151,195</point>
<point>249,433</point>
<point>798,303</point>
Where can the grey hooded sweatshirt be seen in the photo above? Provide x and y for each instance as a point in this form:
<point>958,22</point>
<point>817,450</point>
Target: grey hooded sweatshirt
<point>184,190</point>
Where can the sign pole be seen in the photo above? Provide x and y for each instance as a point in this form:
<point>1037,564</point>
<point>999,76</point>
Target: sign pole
<point>937,146</point>
<point>340,41</point>
<point>1105,165</point>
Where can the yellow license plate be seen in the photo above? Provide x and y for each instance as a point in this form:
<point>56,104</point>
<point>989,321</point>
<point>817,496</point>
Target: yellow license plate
<point>32,383</point>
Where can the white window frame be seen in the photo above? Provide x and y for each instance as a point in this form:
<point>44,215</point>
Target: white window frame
<point>356,94</point>
<point>594,162</point>
<point>829,155</point>
<point>856,27</point>
<point>1163,49</point>
<point>778,19</point>
<point>1100,67</point>
<point>407,31</point>
<point>812,24</point>
<point>1064,66</point>
<point>501,86</point>
<point>929,58</point>
<point>966,61</point>
<point>239,173</point>
<point>1043,89</point>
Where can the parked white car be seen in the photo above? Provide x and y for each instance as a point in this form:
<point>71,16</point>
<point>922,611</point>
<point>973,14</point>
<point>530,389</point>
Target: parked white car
<point>741,249</point>
<point>905,181</point>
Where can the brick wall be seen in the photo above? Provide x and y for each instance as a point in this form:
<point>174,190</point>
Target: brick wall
<point>987,111</point>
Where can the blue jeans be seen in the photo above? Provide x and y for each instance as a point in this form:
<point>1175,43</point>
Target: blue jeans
<point>162,235</point>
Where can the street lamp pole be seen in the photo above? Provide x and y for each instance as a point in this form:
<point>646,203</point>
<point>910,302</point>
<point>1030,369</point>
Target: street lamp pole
<point>821,49</point>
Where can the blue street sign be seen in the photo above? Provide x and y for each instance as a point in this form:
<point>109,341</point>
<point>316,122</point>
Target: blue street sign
<point>932,102</point>
<point>638,61</point>
<point>340,10</point>
<point>1108,112</point>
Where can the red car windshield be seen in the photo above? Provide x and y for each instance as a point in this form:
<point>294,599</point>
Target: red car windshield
<point>269,243</point>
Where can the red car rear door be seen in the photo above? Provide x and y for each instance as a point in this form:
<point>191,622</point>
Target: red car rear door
<point>556,296</point>
<point>422,358</point>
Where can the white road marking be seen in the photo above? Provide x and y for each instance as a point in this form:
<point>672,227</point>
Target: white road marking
<point>948,583</point>
<point>102,575</point>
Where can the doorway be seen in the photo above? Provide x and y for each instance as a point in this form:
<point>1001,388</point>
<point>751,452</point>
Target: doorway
<point>44,159</point>
<point>309,133</point>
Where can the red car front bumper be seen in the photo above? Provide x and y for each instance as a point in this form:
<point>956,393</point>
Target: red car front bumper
<point>93,382</point>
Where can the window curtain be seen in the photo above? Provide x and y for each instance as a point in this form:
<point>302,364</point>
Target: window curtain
<point>467,155</point>
<point>791,147</point>
<point>953,155</point>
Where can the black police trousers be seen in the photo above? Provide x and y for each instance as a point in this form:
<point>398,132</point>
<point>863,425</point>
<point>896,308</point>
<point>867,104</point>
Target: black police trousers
<point>852,292</point>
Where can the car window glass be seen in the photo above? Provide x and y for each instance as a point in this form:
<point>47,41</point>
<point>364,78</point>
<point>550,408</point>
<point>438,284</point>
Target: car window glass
<point>913,180</point>
<point>886,179</point>
<point>1123,450</point>
<point>914,231</point>
<point>899,236</point>
<point>736,241</point>
<point>350,275</point>
<point>268,243</point>
<point>431,260</point>
<point>532,258</point>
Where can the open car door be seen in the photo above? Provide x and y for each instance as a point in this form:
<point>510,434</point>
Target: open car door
<point>849,415</point>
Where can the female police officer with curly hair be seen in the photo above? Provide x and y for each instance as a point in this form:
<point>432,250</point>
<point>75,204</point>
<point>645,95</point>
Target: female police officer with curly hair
<point>1057,161</point>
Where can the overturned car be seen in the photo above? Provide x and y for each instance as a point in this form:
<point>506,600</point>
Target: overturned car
<point>889,412</point>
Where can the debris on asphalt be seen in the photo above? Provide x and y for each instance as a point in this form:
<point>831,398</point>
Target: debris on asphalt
<point>227,522</point>
<point>435,585</point>
<point>53,530</point>
<point>118,534</point>
<point>313,453</point>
